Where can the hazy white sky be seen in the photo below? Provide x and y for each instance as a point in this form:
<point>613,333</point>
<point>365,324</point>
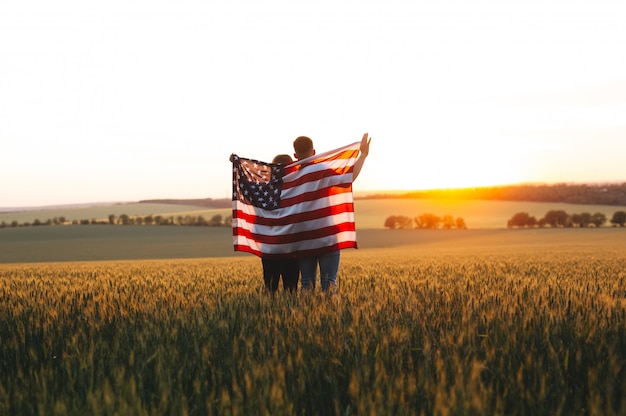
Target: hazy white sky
<point>128,100</point>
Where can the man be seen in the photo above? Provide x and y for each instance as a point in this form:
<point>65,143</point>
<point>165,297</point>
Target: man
<point>329,262</point>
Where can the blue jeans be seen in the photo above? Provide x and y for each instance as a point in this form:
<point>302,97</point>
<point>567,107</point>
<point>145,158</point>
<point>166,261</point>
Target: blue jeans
<point>329,265</point>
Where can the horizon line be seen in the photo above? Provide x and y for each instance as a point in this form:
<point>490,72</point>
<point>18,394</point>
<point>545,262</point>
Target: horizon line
<point>359,193</point>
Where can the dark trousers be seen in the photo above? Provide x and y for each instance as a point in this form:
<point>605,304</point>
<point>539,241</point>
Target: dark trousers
<point>273,269</point>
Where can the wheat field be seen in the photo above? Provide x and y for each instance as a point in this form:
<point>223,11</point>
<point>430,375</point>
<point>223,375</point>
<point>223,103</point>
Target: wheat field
<point>409,333</point>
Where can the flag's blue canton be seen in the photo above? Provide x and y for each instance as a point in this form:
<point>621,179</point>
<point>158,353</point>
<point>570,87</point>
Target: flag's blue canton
<point>257,183</point>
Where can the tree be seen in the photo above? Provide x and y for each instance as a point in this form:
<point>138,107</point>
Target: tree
<point>216,220</point>
<point>619,218</point>
<point>581,220</point>
<point>585,219</point>
<point>400,222</point>
<point>447,222</point>
<point>521,219</point>
<point>598,219</point>
<point>428,220</point>
<point>460,224</point>
<point>111,219</point>
<point>124,219</point>
<point>390,222</point>
<point>405,223</point>
<point>190,219</point>
<point>558,218</point>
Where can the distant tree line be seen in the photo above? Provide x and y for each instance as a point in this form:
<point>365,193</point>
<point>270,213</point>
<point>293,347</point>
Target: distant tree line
<point>198,202</point>
<point>424,221</point>
<point>216,220</point>
<point>561,219</point>
<point>586,194</point>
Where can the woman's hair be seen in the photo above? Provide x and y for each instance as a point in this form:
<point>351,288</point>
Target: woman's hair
<point>284,159</point>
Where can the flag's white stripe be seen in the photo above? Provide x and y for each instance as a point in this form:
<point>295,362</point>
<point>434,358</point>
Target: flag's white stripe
<point>326,182</point>
<point>295,247</point>
<point>300,208</point>
<point>298,227</point>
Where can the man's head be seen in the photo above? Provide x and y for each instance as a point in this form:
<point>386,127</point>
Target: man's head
<point>303,147</point>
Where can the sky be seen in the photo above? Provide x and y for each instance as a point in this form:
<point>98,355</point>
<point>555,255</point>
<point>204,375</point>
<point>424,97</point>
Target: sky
<point>130,100</point>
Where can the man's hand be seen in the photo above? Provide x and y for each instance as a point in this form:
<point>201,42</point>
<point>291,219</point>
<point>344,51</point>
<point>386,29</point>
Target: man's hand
<point>365,149</point>
<point>365,145</point>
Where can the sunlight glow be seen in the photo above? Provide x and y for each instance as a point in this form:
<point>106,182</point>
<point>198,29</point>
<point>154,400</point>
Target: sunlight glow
<point>123,101</point>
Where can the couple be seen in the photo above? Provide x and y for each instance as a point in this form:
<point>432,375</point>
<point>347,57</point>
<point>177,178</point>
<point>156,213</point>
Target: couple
<point>291,267</point>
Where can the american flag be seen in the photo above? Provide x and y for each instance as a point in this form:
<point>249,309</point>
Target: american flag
<point>301,209</point>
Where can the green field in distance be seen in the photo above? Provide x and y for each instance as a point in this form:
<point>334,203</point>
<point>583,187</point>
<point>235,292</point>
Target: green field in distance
<point>369,213</point>
<point>104,242</point>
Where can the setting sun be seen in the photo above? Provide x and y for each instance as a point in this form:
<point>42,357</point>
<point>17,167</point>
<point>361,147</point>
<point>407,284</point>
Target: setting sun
<point>469,168</point>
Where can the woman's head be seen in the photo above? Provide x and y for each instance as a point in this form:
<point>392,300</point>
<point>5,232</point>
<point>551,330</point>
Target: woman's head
<point>284,159</point>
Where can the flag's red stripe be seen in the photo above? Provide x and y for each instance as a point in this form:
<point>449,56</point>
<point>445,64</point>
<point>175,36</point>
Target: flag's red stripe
<point>321,213</point>
<point>316,176</point>
<point>301,253</point>
<point>307,253</point>
<point>247,249</point>
<point>315,195</point>
<point>295,237</point>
